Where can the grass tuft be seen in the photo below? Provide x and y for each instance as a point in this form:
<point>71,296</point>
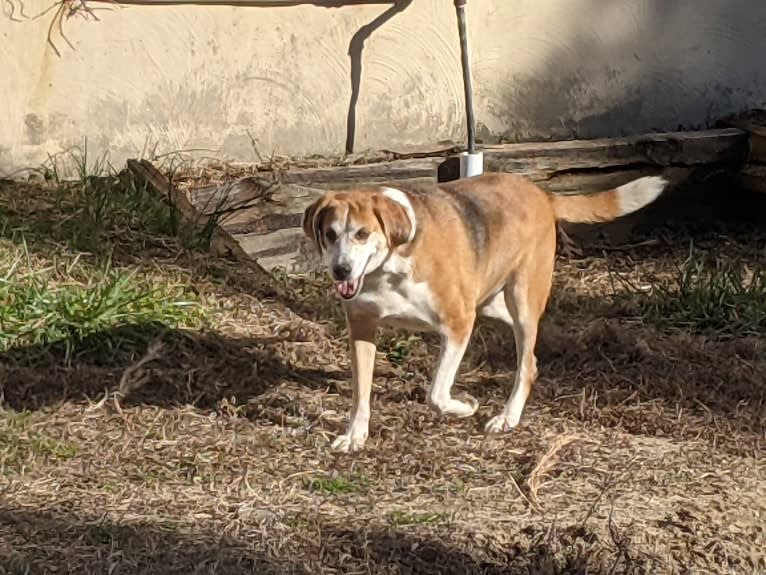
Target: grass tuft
<point>399,349</point>
<point>19,444</point>
<point>705,294</point>
<point>59,242</point>
<point>399,518</point>
<point>69,300</point>
<point>334,485</point>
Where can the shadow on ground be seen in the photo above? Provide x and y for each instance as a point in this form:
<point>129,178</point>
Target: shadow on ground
<point>52,543</point>
<point>56,541</point>
<point>149,364</point>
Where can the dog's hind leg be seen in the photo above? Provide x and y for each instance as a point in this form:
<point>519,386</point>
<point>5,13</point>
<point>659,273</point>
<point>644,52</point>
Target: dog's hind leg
<point>454,343</point>
<point>496,308</point>
<point>526,296</point>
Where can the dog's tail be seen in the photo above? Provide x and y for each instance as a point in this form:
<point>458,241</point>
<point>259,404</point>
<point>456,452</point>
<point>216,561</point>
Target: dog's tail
<point>606,206</point>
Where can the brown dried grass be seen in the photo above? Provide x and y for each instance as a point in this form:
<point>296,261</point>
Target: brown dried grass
<point>641,451</point>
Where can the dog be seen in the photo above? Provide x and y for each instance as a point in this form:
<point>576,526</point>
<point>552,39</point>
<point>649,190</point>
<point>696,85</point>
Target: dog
<point>436,259</point>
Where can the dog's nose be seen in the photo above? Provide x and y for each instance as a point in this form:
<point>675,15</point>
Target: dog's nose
<point>341,271</point>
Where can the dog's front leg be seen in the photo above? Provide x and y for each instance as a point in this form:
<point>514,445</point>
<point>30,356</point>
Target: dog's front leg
<point>362,348</point>
<point>453,346</point>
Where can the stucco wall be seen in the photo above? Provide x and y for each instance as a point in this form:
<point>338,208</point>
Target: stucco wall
<point>217,79</point>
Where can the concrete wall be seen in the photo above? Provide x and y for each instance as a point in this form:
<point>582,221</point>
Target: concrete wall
<point>226,80</point>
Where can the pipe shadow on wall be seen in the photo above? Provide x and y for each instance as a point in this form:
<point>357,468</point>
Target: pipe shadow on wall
<point>355,47</point>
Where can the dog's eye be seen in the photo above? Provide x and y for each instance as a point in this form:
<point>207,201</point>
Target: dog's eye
<point>331,235</point>
<point>362,234</point>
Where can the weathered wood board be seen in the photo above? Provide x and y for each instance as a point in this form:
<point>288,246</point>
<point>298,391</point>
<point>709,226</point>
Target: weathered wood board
<point>262,214</point>
<point>661,150</point>
<point>253,189</point>
<point>754,124</point>
<point>753,178</point>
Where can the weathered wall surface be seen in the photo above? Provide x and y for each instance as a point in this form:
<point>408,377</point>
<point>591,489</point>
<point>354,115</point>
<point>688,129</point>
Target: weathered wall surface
<point>239,82</point>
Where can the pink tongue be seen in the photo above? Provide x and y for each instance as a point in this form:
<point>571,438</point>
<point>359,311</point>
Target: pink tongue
<point>345,289</point>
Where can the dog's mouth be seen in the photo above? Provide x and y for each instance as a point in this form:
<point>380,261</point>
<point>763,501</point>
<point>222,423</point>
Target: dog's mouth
<point>348,289</point>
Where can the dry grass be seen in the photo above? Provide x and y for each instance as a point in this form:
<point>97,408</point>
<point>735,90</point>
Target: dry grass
<point>204,449</point>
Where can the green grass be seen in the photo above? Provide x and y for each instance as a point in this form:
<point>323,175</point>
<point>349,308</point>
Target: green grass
<point>334,485</point>
<point>398,518</point>
<point>71,263</point>
<point>69,299</point>
<point>19,444</point>
<point>705,294</point>
<point>94,205</point>
<point>399,349</point>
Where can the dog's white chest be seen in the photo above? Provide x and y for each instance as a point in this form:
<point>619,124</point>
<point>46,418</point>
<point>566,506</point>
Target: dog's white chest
<point>392,295</point>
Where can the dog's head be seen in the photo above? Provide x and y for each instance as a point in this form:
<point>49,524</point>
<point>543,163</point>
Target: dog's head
<point>355,232</point>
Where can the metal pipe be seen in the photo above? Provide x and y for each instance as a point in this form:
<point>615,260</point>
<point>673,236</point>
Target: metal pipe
<point>468,89</point>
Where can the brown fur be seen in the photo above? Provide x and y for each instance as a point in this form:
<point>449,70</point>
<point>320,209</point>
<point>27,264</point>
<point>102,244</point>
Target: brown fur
<point>475,239</point>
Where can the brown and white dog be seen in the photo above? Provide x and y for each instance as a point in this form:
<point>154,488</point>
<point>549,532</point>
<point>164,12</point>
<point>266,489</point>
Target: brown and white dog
<point>435,260</point>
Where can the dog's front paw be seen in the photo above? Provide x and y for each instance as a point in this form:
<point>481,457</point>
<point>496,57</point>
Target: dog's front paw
<point>472,405</point>
<point>501,424</point>
<point>455,407</point>
<point>347,443</point>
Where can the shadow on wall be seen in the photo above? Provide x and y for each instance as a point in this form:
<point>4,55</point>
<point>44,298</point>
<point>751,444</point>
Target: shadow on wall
<point>642,66</point>
<point>355,47</point>
<point>355,50</point>
<point>37,129</point>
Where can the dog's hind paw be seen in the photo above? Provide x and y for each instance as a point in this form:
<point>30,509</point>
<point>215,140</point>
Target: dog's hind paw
<point>500,424</point>
<point>346,443</point>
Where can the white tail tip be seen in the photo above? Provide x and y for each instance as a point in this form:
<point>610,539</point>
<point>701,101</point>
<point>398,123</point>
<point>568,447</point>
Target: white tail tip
<point>635,195</point>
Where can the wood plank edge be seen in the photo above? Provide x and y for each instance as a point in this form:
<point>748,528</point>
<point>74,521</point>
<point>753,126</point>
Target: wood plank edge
<point>222,243</point>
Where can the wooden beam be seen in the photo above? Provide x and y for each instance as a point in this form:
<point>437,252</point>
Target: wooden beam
<point>262,214</point>
<point>541,160</point>
<point>753,123</point>
<point>753,178</point>
<point>251,190</point>
<point>222,243</point>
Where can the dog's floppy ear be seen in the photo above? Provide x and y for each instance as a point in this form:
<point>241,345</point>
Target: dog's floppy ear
<point>395,219</point>
<point>312,221</point>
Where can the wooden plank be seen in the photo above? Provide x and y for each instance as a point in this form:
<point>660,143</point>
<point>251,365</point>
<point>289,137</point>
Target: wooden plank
<point>660,149</point>
<point>264,212</point>
<point>757,148</point>
<point>541,161</point>
<point>753,178</point>
<point>283,208</point>
<point>754,123</point>
<point>287,249</point>
<point>222,243</point>
<point>252,189</point>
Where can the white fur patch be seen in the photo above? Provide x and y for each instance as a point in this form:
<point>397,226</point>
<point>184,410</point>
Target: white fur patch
<point>496,308</point>
<point>392,295</point>
<point>401,198</point>
<point>636,194</point>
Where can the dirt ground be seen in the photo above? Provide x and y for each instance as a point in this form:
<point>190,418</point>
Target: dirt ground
<point>641,449</point>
